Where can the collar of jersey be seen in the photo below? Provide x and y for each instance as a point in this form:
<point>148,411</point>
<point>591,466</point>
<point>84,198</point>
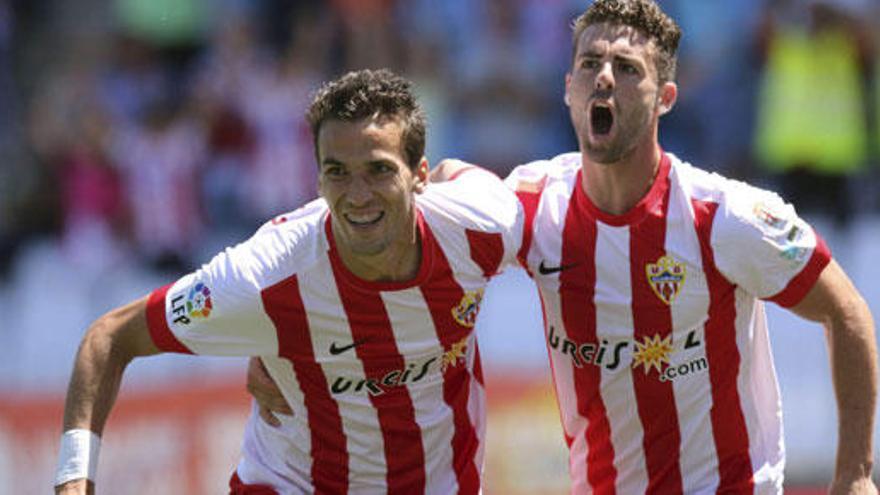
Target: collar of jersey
<point>649,201</point>
<point>346,276</point>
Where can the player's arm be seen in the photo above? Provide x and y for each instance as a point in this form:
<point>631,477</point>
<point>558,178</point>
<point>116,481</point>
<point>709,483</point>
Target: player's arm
<point>106,349</point>
<point>836,304</point>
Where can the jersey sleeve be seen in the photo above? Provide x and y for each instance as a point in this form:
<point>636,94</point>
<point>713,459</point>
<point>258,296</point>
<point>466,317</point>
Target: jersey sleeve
<point>490,213</point>
<point>762,245</point>
<point>508,210</point>
<point>526,177</point>
<point>527,183</point>
<point>217,310</point>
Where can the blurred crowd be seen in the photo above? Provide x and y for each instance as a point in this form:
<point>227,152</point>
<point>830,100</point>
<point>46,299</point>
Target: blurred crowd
<point>157,131</point>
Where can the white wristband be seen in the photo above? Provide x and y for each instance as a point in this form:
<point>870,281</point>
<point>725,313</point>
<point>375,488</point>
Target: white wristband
<point>78,457</point>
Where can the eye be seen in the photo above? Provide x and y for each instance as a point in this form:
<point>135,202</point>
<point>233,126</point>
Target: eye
<point>382,168</point>
<point>627,68</point>
<point>589,64</point>
<point>334,171</point>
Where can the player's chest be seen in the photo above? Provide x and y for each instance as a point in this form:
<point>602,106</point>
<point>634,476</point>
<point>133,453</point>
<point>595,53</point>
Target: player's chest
<point>624,278</point>
<point>413,327</point>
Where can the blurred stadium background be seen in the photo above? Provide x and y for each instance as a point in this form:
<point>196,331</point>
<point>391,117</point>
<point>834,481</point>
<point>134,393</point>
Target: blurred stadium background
<point>137,137</point>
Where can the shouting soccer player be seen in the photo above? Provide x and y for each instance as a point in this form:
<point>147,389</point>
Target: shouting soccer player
<point>362,305</point>
<point>652,274</point>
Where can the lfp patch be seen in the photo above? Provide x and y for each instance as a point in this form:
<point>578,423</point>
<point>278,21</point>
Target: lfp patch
<point>198,301</point>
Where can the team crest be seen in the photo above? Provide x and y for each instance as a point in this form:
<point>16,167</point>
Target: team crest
<point>468,308</point>
<point>198,301</point>
<point>666,278</point>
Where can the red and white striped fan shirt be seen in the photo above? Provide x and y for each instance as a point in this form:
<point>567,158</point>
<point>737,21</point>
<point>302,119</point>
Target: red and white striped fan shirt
<point>384,378</point>
<point>655,325</point>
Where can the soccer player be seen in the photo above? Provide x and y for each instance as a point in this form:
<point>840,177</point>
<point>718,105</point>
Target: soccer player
<point>362,305</point>
<point>653,275</point>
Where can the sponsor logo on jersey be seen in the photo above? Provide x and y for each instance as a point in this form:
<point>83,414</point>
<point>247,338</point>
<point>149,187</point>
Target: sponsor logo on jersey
<point>549,270</point>
<point>602,354</point>
<point>656,355</point>
<point>768,216</point>
<point>666,277</point>
<point>673,372</point>
<point>196,304</point>
<point>456,354</point>
<point>652,353</point>
<point>411,373</point>
<point>465,313</point>
<point>335,349</point>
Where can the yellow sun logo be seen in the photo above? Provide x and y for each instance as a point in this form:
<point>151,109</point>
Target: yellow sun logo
<point>457,352</point>
<point>652,352</point>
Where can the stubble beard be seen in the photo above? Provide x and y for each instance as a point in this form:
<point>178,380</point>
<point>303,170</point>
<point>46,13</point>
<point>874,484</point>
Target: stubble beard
<point>368,248</point>
<point>608,154</point>
<point>627,137</point>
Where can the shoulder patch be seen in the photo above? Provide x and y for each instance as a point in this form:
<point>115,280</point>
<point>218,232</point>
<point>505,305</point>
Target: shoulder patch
<point>770,216</point>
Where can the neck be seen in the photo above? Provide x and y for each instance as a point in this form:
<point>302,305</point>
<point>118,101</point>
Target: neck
<point>617,187</point>
<point>399,262</point>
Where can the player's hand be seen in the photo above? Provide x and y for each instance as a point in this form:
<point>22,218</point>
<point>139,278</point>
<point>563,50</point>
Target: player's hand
<point>266,393</point>
<point>857,486</point>
<point>76,487</point>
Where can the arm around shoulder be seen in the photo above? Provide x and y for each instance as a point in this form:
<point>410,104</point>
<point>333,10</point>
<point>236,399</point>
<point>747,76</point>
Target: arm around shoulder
<point>835,303</point>
<point>448,169</point>
<point>110,343</point>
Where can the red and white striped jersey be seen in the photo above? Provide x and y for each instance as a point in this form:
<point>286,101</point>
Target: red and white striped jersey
<point>655,325</point>
<point>384,378</point>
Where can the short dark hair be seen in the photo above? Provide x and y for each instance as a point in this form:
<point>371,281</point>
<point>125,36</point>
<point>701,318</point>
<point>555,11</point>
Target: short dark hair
<point>643,15</point>
<point>366,93</point>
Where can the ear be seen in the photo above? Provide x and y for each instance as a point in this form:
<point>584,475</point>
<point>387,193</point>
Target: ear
<point>668,95</point>
<point>421,176</point>
<point>566,98</point>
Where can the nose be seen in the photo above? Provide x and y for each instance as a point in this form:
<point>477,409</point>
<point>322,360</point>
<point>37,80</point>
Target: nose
<point>359,192</point>
<point>605,78</point>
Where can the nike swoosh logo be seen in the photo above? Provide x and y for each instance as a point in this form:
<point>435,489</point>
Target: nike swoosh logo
<point>549,270</point>
<point>334,350</point>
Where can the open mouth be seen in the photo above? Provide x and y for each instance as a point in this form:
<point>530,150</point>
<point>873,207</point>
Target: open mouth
<point>601,120</point>
<point>364,219</point>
